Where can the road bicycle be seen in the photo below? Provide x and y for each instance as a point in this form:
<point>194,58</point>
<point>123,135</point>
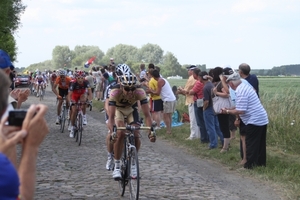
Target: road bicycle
<point>41,91</point>
<point>129,159</point>
<point>79,122</point>
<point>63,114</point>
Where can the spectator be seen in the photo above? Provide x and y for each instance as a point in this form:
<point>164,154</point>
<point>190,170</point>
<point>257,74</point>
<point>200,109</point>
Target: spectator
<point>189,101</point>
<point>155,102</point>
<point>21,184</point>
<point>17,96</point>
<point>99,82</point>
<point>244,71</point>
<point>12,77</point>
<point>90,78</point>
<point>165,91</point>
<point>255,118</point>
<point>197,91</point>
<point>222,118</point>
<point>143,72</point>
<point>210,119</point>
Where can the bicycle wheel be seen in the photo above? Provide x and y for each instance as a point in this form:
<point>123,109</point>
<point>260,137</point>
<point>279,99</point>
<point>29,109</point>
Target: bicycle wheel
<point>63,119</point>
<point>41,94</point>
<point>123,181</point>
<point>134,179</point>
<point>80,128</point>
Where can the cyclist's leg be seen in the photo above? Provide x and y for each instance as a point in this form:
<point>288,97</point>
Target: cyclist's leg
<point>83,98</point>
<point>60,93</point>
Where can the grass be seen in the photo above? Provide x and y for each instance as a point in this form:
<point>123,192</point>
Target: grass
<point>279,97</point>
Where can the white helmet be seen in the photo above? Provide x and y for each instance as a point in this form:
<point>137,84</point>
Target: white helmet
<point>122,69</point>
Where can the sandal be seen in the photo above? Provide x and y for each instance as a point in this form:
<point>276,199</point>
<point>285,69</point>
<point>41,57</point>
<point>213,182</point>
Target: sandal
<point>223,150</point>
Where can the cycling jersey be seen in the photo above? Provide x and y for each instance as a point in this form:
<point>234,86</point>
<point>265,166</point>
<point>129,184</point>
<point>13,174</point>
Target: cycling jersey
<point>63,83</point>
<point>53,77</point>
<point>78,89</point>
<point>118,99</point>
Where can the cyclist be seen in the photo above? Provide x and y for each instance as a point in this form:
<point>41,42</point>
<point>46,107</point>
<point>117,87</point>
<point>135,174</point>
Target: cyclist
<point>120,70</point>
<point>77,92</point>
<point>53,77</point>
<point>62,82</point>
<point>40,81</point>
<point>123,102</point>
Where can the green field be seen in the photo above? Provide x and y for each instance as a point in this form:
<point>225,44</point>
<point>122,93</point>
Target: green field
<point>280,97</point>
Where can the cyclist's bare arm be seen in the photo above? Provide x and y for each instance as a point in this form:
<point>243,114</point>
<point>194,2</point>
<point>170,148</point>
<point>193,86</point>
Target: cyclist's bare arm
<point>146,112</point>
<point>70,95</point>
<point>90,95</point>
<point>54,89</point>
<point>111,117</point>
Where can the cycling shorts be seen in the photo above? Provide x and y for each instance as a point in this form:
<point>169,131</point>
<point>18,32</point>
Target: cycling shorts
<point>131,113</point>
<point>63,92</point>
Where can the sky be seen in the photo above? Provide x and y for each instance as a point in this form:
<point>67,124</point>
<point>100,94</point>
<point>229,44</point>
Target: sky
<point>262,33</point>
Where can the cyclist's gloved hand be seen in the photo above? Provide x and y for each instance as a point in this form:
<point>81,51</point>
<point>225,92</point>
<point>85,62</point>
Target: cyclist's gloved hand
<point>152,136</point>
<point>113,137</point>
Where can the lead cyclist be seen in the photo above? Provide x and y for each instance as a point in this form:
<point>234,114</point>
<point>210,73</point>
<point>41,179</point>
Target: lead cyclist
<point>123,102</point>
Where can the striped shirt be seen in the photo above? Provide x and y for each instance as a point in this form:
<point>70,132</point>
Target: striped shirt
<point>248,102</point>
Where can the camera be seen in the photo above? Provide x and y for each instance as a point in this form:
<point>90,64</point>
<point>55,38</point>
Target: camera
<point>16,117</point>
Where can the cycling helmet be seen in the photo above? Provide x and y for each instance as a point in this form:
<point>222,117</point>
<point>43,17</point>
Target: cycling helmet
<point>122,69</point>
<point>62,72</point>
<point>79,74</point>
<point>128,79</point>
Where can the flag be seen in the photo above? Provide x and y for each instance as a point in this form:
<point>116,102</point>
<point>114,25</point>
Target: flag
<point>90,61</point>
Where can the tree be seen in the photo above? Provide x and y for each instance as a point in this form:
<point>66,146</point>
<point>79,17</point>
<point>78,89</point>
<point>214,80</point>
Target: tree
<point>82,53</point>
<point>122,53</point>
<point>150,53</point>
<point>10,13</point>
<point>171,66</point>
<point>61,57</point>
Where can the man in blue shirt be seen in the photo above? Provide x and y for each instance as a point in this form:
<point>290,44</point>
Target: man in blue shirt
<point>244,71</point>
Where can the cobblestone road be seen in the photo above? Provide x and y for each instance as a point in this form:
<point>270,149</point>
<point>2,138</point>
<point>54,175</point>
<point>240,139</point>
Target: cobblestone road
<point>68,171</point>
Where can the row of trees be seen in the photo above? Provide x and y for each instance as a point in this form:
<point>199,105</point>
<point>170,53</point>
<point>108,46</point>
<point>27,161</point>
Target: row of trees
<point>10,13</point>
<point>64,57</point>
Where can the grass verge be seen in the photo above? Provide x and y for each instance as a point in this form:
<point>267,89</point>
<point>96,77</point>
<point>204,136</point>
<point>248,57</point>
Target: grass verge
<point>282,170</point>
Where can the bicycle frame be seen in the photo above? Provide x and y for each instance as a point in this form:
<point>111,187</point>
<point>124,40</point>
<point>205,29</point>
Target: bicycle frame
<point>130,158</point>
<point>78,122</point>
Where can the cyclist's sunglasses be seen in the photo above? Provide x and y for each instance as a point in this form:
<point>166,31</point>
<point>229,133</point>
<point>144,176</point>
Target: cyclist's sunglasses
<point>80,77</point>
<point>129,89</point>
<point>62,76</point>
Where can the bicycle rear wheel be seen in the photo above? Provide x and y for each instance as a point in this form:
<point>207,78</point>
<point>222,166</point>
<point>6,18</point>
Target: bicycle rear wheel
<point>134,179</point>
<point>63,120</point>
<point>80,128</point>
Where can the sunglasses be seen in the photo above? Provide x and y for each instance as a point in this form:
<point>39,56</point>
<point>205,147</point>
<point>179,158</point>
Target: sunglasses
<point>129,89</point>
<point>62,77</point>
<point>80,77</point>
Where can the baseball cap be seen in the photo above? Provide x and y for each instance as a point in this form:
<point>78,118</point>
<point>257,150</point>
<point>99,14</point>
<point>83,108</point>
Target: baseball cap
<point>227,71</point>
<point>191,67</point>
<point>5,61</point>
<point>203,75</point>
<point>233,77</point>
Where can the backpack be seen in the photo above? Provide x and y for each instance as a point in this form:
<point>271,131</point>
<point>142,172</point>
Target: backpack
<point>185,117</point>
<point>176,116</point>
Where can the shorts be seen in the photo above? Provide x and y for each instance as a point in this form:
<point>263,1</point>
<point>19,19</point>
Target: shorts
<point>156,105</point>
<point>63,92</point>
<point>76,97</point>
<point>232,127</point>
<point>98,87</point>
<point>131,113</point>
<point>169,106</point>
